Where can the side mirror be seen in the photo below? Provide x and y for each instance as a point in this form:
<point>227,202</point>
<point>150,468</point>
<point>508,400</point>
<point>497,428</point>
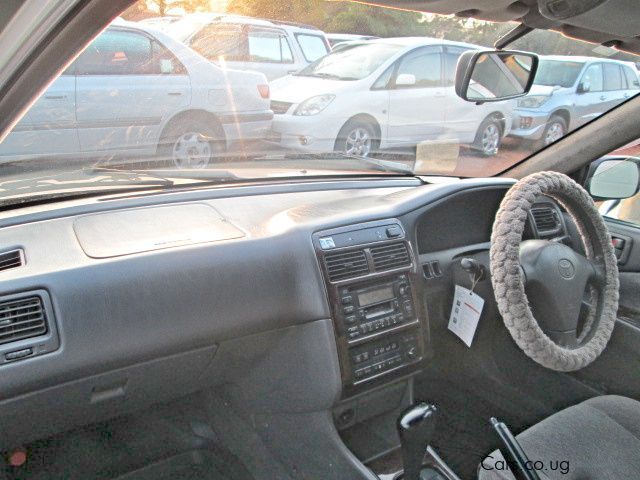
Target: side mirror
<point>405,80</point>
<point>583,87</point>
<point>494,75</point>
<point>613,178</point>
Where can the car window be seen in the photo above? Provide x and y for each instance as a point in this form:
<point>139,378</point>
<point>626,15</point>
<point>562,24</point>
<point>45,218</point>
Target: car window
<point>557,73</point>
<point>267,46</point>
<point>450,65</point>
<point>220,42</point>
<point>425,65</point>
<point>352,63</point>
<point>632,78</point>
<point>383,80</point>
<point>313,46</point>
<point>119,53</point>
<point>612,77</point>
<point>592,77</point>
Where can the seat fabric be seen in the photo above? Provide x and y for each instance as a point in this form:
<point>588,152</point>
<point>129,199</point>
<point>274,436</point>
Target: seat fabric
<point>598,439</point>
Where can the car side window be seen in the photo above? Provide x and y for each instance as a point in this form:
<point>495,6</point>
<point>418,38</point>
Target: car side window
<point>451,57</point>
<point>383,80</point>
<point>632,79</point>
<point>592,77</point>
<point>220,41</point>
<point>126,53</point>
<point>313,46</point>
<point>268,46</point>
<point>612,77</point>
<point>425,65</point>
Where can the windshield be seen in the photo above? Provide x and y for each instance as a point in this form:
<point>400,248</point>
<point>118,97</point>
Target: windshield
<point>354,63</point>
<point>176,94</point>
<point>557,73</point>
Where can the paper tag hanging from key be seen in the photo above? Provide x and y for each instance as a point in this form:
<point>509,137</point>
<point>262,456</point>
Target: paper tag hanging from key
<point>465,314</point>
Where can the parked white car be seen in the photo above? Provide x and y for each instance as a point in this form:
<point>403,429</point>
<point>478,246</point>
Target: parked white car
<point>136,92</point>
<point>245,43</point>
<point>384,93</point>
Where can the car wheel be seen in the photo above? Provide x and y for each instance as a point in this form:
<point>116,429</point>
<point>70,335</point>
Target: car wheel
<point>556,129</point>
<point>489,137</point>
<point>357,138</point>
<point>191,144</point>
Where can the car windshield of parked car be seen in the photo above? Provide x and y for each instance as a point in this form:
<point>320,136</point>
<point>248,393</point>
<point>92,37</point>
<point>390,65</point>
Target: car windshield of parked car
<point>558,73</point>
<point>353,63</point>
<point>178,93</point>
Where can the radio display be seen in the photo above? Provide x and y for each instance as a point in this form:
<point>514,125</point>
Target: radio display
<point>375,296</point>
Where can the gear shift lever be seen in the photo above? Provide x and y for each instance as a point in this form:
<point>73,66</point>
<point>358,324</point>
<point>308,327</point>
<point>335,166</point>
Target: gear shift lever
<point>416,426</point>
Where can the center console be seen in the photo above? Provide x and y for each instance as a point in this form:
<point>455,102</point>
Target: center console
<point>369,271</point>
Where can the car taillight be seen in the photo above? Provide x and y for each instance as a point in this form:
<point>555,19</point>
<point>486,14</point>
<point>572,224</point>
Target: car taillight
<point>264,91</point>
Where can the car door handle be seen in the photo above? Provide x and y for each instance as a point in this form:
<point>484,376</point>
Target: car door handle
<point>439,94</point>
<point>602,98</point>
<point>626,95</point>
<point>175,94</point>
<point>55,97</point>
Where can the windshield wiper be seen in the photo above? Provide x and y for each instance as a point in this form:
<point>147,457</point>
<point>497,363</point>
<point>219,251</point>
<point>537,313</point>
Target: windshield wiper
<point>389,166</point>
<point>94,181</point>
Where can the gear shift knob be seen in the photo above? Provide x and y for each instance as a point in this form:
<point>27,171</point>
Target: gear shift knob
<point>416,426</point>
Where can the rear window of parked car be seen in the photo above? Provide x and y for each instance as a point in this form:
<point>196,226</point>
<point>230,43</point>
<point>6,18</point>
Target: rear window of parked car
<point>126,53</point>
<point>612,77</point>
<point>220,41</point>
<point>268,46</point>
<point>632,79</point>
<point>313,46</point>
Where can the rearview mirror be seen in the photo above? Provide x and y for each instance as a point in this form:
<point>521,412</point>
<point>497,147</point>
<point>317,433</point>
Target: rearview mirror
<point>405,80</point>
<point>614,177</point>
<point>494,75</point>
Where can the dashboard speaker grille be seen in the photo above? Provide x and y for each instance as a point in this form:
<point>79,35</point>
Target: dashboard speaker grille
<point>11,259</point>
<point>545,219</point>
<point>387,257</point>
<point>341,265</point>
<point>22,318</point>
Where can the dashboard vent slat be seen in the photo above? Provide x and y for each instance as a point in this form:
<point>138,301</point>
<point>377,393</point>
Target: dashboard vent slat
<point>20,319</point>
<point>390,256</point>
<point>343,265</point>
<point>545,219</point>
<point>11,259</point>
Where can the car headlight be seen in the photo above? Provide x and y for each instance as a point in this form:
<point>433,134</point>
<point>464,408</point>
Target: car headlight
<point>532,101</point>
<point>314,105</point>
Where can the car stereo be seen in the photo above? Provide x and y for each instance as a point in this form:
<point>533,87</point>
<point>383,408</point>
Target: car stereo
<point>371,277</point>
<point>375,306</point>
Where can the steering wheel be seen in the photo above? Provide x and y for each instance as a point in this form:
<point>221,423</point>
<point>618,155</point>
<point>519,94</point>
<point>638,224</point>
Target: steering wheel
<point>574,297</point>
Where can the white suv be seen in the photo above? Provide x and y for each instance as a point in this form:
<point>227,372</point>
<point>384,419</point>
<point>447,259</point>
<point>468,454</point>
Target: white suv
<point>137,92</point>
<point>246,43</point>
<point>386,93</point>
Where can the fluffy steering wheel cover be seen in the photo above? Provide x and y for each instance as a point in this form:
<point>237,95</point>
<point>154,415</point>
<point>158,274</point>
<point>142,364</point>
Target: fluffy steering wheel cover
<point>507,279</point>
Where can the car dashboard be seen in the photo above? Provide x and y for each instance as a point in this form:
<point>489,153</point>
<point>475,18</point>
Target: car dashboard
<point>294,297</point>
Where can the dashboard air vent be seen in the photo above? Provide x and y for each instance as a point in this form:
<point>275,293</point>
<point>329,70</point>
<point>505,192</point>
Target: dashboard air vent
<point>341,265</point>
<point>546,219</point>
<point>392,255</point>
<point>11,259</point>
<point>22,318</point>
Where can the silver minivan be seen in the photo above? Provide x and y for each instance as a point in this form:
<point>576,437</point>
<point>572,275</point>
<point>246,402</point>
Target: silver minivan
<point>245,43</point>
<point>568,92</point>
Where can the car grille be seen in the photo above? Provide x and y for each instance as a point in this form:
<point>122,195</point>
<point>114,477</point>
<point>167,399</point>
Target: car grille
<point>280,108</point>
